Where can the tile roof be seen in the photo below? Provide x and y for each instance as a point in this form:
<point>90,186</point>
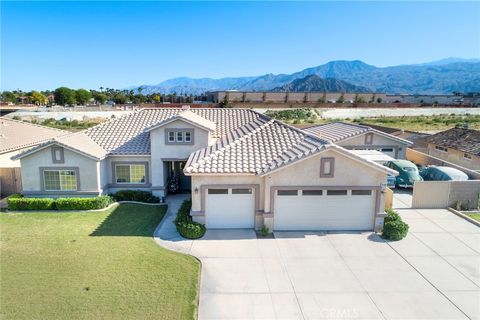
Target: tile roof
<point>338,131</point>
<point>128,136</point>
<point>16,135</point>
<point>466,140</point>
<point>256,148</point>
<point>190,117</point>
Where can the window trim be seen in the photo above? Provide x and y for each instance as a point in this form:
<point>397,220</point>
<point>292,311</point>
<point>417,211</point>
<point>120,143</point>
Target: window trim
<point>323,161</point>
<point>439,148</point>
<point>129,184</point>
<point>218,191</point>
<point>331,193</point>
<point>182,132</point>
<point>313,192</point>
<point>62,155</point>
<point>42,178</point>
<point>353,191</point>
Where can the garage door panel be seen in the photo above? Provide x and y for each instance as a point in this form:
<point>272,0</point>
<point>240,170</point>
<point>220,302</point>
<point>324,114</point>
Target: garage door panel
<point>230,210</point>
<point>324,212</point>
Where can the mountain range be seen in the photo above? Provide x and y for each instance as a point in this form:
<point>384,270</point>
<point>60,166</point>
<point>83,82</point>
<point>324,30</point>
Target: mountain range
<point>438,77</point>
<point>314,83</point>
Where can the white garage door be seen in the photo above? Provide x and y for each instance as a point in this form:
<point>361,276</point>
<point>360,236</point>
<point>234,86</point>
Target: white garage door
<point>230,208</point>
<point>324,210</point>
<point>389,152</point>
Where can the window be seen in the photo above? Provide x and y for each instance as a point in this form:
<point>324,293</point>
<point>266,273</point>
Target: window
<point>336,192</point>
<point>361,192</point>
<point>217,191</point>
<point>312,192</point>
<point>60,180</point>
<point>287,192</point>
<point>386,150</point>
<point>327,167</point>
<point>171,136</point>
<point>57,155</point>
<point>369,138</point>
<point>440,148</point>
<point>241,191</point>
<point>179,136</point>
<point>467,156</point>
<point>130,173</point>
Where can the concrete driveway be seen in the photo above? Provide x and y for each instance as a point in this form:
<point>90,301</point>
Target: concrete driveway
<point>432,274</point>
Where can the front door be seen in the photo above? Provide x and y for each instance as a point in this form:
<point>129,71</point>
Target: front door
<point>177,181</point>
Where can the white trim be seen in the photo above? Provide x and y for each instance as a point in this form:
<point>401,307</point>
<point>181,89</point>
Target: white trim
<point>53,143</point>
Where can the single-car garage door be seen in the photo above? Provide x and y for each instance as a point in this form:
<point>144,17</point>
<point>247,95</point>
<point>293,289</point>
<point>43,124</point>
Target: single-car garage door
<point>230,208</point>
<point>322,209</point>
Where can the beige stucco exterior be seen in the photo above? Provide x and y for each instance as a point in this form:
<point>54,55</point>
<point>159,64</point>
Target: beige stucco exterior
<point>7,162</point>
<point>88,172</point>
<point>379,141</point>
<point>455,156</point>
<point>348,173</point>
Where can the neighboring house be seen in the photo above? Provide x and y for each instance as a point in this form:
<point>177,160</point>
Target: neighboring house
<point>359,137</point>
<point>243,169</point>
<point>16,137</point>
<point>460,146</point>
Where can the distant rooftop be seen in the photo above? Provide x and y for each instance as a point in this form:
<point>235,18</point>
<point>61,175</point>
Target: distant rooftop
<point>466,140</point>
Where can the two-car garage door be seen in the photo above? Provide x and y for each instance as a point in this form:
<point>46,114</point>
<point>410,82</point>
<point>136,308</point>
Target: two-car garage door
<point>321,209</point>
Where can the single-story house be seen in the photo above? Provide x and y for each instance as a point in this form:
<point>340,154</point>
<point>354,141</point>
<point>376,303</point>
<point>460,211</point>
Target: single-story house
<point>359,137</point>
<point>243,169</point>
<point>16,137</point>
<point>460,146</point>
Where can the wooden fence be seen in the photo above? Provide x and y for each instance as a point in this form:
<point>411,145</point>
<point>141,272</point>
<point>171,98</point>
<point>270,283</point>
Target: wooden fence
<point>10,181</point>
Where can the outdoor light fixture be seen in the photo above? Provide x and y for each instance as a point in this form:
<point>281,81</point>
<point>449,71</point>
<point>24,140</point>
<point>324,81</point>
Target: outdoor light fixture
<point>196,190</point>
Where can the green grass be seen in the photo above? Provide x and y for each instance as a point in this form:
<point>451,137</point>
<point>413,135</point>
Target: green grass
<point>475,216</point>
<point>92,265</point>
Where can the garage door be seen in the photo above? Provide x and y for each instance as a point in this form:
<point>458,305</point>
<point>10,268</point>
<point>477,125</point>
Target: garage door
<point>324,209</point>
<point>230,208</point>
<point>389,152</point>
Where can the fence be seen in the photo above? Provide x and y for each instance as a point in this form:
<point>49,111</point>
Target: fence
<point>10,181</point>
<point>443,194</point>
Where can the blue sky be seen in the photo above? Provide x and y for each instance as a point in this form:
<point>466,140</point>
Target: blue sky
<point>45,45</point>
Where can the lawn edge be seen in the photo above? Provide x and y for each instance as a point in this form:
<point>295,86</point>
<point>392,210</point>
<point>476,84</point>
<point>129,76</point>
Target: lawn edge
<point>464,216</point>
<point>116,203</point>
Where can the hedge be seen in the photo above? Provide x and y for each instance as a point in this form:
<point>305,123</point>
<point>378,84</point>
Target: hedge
<point>18,202</point>
<point>394,228</point>
<point>135,195</point>
<point>185,225</point>
<point>83,203</point>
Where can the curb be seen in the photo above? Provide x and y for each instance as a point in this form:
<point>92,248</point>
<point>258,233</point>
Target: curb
<point>464,216</point>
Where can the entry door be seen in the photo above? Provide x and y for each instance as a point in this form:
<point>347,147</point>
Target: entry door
<point>230,208</point>
<point>324,210</point>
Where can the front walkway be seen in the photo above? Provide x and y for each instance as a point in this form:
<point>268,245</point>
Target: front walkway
<point>432,274</point>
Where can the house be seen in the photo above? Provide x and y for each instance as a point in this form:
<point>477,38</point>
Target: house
<point>359,137</point>
<point>243,169</point>
<point>460,146</point>
<point>16,137</point>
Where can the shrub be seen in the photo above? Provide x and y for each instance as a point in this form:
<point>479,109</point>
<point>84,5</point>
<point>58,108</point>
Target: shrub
<point>83,203</point>
<point>20,203</point>
<point>135,195</point>
<point>391,216</point>
<point>185,225</point>
<point>264,231</point>
<point>395,230</point>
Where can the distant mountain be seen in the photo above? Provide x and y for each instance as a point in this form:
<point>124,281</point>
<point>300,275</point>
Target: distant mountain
<point>438,77</point>
<point>315,83</point>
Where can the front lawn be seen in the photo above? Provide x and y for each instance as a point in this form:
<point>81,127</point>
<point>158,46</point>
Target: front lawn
<point>473,215</point>
<point>92,265</point>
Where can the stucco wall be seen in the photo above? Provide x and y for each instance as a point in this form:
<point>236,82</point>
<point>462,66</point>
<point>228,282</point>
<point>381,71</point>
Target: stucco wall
<point>88,169</point>
<point>307,173</point>
<point>6,162</point>
<point>160,150</point>
<point>378,141</point>
<point>455,156</point>
<point>443,194</point>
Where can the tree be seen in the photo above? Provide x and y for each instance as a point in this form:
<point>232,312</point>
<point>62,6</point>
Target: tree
<point>83,96</point>
<point>360,99</point>
<point>156,98</point>
<point>120,98</point>
<point>341,99</point>
<point>100,98</point>
<point>64,96</point>
<point>8,96</point>
<point>38,98</point>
